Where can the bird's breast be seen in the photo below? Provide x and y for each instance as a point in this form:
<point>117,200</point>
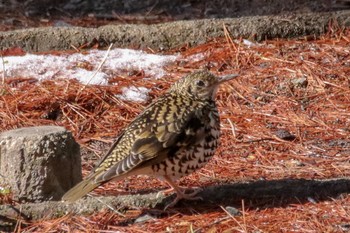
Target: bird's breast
<point>192,157</point>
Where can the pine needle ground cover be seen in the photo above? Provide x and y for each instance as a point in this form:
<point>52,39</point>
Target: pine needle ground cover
<point>287,118</point>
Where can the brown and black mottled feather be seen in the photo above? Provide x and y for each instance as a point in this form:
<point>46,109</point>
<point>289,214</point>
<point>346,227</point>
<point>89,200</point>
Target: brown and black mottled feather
<point>167,128</point>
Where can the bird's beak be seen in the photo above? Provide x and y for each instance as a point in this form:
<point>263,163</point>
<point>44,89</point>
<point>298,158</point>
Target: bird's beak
<point>227,77</point>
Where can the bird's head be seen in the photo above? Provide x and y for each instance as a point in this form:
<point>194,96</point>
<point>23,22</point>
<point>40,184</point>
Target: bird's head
<point>200,84</point>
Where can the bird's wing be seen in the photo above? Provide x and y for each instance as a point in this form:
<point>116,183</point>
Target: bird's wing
<point>155,141</point>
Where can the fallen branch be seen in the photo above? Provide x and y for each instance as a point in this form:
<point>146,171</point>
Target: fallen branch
<point>286,191</point>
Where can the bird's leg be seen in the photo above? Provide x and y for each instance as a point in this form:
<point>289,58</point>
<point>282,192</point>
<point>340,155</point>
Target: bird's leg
<point>171,189</point>
<point>180,193</point>
<point>194,191</point>
<point>166,191</point>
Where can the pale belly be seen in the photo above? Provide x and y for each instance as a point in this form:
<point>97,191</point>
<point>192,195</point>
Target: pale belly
<point>187,161</point>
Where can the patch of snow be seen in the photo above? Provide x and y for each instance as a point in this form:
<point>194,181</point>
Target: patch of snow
<point>196,57</point>
<point>67,66</point>
<point>248,43</point>
<point>129,59</point>
<point>132,93</point>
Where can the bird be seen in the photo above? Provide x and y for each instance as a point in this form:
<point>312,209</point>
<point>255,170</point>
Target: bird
<point>174,136</point>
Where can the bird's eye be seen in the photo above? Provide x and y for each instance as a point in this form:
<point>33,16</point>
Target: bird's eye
<point>200,83</point>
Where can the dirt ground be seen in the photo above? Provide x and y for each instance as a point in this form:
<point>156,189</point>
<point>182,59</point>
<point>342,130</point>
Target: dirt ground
<point>283,164</point>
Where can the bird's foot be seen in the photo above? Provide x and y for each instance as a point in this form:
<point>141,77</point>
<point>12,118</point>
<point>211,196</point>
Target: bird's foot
<point>182,195</point>
<point>193,191</point>
<point>165,192</point>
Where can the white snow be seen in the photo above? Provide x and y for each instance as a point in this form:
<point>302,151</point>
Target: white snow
<point>248,43</point>
<point>72,66</point>
<point>196,57</point>
<point>132,93</point>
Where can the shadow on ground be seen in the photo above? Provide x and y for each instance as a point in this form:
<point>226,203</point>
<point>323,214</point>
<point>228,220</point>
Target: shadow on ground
<point>258,194</point>
<point>275,193</point>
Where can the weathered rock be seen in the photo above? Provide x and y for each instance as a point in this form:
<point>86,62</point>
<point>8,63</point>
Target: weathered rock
<point>174,34</point>
<point>284,134</point>
<point>299,82</point>
<point>233,211</point>
<point>39,163</point>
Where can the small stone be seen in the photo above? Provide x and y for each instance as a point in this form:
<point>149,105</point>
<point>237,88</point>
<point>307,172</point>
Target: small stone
<point>299,82</point>
<point>312,200</point>
<point>345,227</point>
<point>233,211</point>
<point>284,134</point>
<point>144,218</point>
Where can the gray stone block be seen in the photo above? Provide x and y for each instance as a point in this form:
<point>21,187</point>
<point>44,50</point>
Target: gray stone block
<point>39,163</point>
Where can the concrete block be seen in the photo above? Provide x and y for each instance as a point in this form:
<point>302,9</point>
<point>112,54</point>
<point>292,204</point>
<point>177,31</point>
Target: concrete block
<point>39,163</point>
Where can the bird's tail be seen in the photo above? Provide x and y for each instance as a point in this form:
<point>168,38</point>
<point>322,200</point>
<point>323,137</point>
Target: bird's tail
<point>80,190</point>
